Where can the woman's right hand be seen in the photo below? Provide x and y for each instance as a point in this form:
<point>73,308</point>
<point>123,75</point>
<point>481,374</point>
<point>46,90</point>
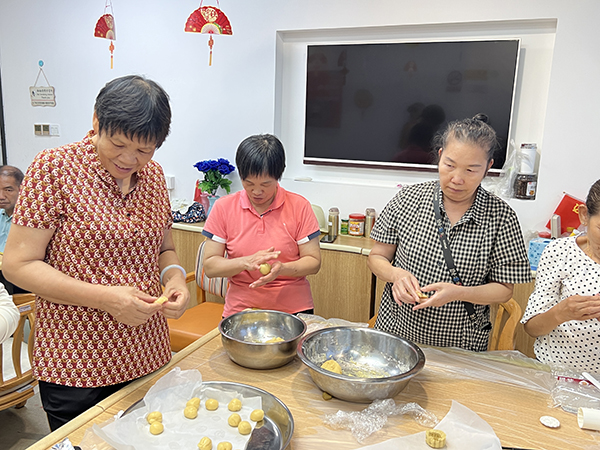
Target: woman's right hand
<point>129,305</point>
<point>579,307</point>
<point>405,287</point>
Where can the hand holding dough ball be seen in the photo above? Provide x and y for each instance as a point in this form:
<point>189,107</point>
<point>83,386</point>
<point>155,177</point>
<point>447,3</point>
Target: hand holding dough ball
<point>211,404</point>
<point>244,427</point>
<point>155,416</point>
<point>190,412</point>
<point>195,402</point>
<point>224,446</point>
<point>234,420</point>
<point>205,444</point>
<point>257,415</point>
<point>156,428</point>
<point>265,268</point>
<point>332,365</point>
<point>235,405</point>
<point>160,300</point>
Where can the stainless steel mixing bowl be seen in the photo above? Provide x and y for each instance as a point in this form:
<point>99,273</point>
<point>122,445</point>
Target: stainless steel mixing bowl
<point>244,337</point>
<point>375,364</point>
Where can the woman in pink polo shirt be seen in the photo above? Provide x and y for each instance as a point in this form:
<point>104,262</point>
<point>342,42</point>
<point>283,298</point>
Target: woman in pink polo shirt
<point>264,223</point>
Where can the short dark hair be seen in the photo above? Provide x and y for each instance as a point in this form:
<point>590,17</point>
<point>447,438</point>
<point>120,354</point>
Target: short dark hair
<point>11,171</point>
<point>261,154</point>
<point>475,131</point>
<point>592,202</point>
<point>135,106</point>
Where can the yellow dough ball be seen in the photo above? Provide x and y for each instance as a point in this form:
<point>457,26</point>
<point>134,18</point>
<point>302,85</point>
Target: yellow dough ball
<point>234,420</point>
<point>327,396</point>
<point>275,339</point>
<point>155,416</point>
<point>190,412</point>
<point>257,415</point>
<point>332,366</point>
<point>156,428</point>
<point>224,446</point>
<point>235,405</point>
<point>205,444</point>
<point>211,404</point>
<point>265,268</point>
<point>244,427</point>
<point>195,402</point>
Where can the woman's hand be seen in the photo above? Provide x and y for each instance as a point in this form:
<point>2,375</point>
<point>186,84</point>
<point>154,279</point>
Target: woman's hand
<point>578,307</point>
<point>405,287</point>
<point>253,262</point>
<point>276,267</point>
<point>444,293</point>
<point>129,305</point>
<point>178,298</point>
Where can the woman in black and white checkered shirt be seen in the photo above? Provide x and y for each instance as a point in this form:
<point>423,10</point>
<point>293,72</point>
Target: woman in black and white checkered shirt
<point>425,300</point>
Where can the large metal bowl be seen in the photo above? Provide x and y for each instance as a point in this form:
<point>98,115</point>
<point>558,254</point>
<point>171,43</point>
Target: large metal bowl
<point>244,337</point>
<point>381,363</point>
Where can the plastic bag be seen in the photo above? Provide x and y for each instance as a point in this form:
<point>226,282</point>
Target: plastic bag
<point>366,422</point>
<point>572,391</point>
<point>504,185</point>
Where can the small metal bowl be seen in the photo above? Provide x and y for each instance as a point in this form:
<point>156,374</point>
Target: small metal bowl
<point>245,335</point>
<point>375,364</point>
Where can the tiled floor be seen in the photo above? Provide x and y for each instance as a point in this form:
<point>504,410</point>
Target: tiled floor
<point>20,428</point>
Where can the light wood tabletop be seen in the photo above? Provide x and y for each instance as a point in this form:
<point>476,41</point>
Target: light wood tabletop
<point>512,412</point>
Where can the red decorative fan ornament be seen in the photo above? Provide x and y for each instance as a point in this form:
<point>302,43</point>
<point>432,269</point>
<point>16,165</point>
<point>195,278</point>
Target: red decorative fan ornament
<point>105,28</point>
<point>208,20</point>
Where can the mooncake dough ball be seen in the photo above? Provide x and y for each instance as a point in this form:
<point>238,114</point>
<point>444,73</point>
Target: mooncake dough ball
<point>224,446</point>
<point>435,438</point>
<point>257,415</point>
<point>156,428</point>
<point>234,420</point>
<point>154,416</point>
<point>235,405</point>
<point>265,269</point>
<point>327,396</point>
<point>190,412</point>
<point>332,365</point>
<point>275,339</point>
<point>211,404</point>
<point>195,402</point>
<point>244,427</point>
<point>205,444</point>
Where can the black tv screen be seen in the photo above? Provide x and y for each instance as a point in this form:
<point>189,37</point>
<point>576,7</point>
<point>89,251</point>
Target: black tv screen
<point>379,105</point>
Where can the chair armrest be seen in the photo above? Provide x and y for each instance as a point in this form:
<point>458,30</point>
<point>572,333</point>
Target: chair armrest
<point>190,276</point>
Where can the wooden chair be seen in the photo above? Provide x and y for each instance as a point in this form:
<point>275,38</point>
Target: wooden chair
<point>17,388</point>
<point>205,316</point>
<point>505,324</point>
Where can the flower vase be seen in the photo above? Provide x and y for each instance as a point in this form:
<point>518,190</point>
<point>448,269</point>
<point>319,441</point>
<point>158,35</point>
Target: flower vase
<point>211,199</point>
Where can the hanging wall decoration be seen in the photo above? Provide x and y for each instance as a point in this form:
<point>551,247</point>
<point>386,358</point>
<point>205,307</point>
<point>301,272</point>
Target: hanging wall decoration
<point>208,20</point>
<point>105,28</point>
<point>42,95</point>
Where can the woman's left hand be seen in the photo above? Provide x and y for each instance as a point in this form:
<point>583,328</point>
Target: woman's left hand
<point>178,297</point>
<point>275,270</point>
<point>444,293</point>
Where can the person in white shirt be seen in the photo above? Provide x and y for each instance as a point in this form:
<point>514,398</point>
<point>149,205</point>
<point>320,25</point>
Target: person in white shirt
<point>9,315</point>
<point>564,308</point>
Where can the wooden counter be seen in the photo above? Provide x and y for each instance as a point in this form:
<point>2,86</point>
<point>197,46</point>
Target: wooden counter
<point>512,412</point>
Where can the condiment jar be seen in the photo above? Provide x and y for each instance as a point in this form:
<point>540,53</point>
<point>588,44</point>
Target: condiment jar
<point>344,226</point>
<point>356,224</point>
<point>526,179</point>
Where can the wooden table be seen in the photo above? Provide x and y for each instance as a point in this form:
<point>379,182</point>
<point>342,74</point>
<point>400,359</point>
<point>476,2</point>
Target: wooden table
<point>512,412</point>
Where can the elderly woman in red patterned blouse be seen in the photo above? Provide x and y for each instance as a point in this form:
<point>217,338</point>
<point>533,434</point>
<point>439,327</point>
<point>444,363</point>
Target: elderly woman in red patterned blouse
<point>91,236</point>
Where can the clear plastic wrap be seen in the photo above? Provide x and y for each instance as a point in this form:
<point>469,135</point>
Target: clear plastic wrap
<point>503,185</point>
<point>572,391</point>
<point>366,422</point>
<point>314,322</point>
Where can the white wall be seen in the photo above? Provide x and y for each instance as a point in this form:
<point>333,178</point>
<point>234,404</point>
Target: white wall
<point>214,108</point>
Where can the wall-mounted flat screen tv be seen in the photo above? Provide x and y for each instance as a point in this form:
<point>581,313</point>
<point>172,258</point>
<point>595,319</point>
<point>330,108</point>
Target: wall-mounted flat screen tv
<point>379,105</point>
